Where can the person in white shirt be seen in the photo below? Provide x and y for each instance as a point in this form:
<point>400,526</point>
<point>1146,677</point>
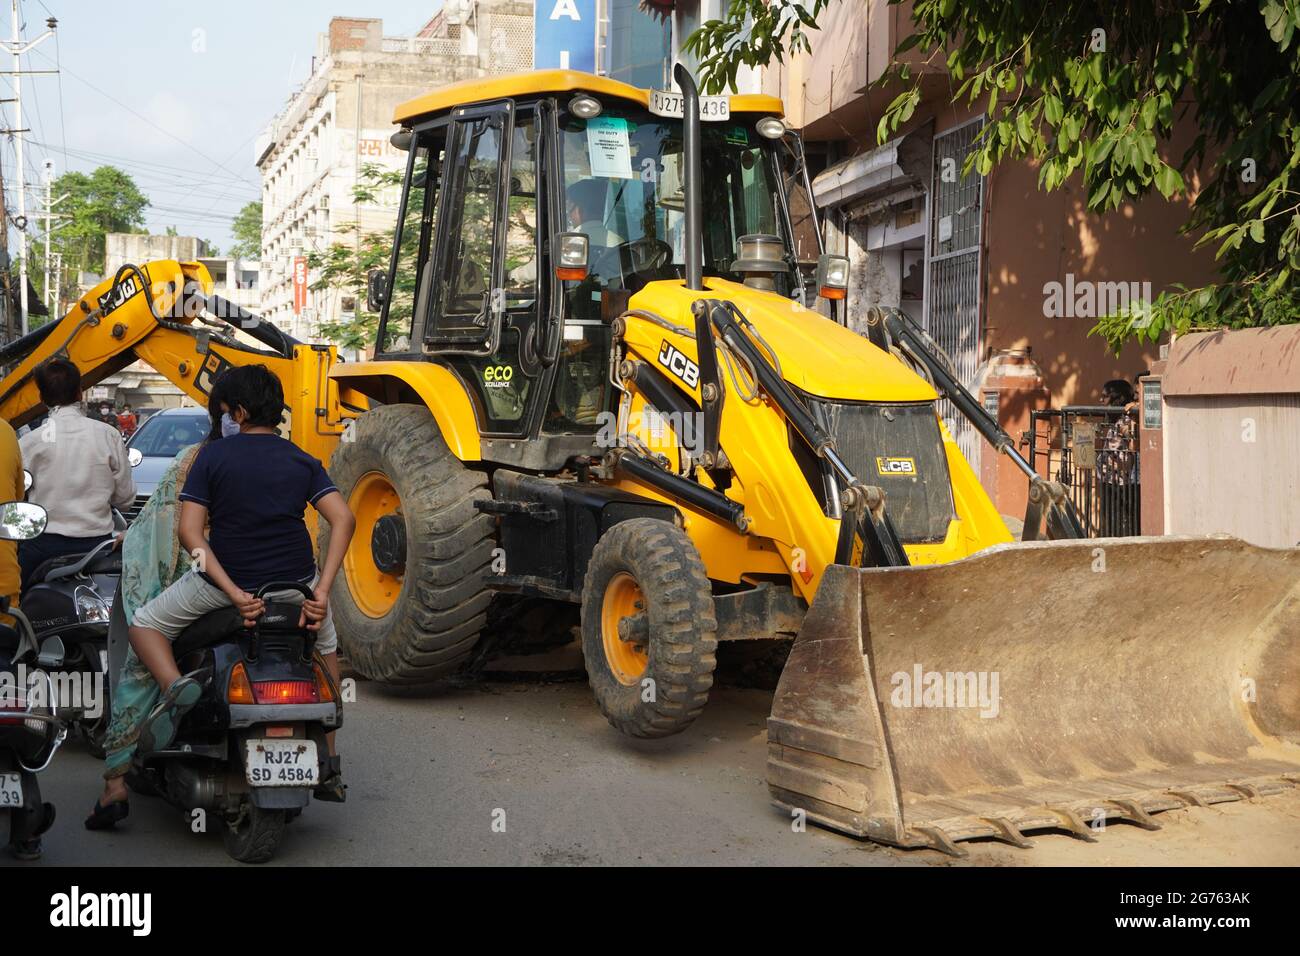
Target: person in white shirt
<point>79,471</point>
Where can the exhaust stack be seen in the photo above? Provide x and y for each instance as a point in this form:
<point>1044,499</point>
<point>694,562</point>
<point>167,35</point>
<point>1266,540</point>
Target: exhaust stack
<point>691,161</point>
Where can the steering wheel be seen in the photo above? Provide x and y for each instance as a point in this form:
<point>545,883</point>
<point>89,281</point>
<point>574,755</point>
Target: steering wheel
<point>644,256</point>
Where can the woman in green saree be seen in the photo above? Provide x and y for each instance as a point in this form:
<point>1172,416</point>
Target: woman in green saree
<point>151,560</point>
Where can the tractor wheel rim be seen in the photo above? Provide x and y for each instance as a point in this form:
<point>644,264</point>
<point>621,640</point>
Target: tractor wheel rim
<point>623,598</point>
<point>374,591</point>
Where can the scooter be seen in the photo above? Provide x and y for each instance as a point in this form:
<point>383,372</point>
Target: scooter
<point>31,729</point>
<point>253,748</point>
<point>71,599</point>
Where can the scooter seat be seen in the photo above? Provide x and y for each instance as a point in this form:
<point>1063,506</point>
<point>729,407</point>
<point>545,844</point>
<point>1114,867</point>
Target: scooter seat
<point>279,617</point>
<point>108,562</point>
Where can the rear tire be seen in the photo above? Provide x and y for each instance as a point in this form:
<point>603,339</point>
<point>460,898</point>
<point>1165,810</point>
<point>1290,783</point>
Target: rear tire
<point>646,573</point>
<point>257,837</point>
<point>422,623</point>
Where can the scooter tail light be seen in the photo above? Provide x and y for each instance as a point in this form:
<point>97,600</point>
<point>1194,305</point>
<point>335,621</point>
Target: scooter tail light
<point>285,692</point>
<point>240,691</point>
<point>324,689</point>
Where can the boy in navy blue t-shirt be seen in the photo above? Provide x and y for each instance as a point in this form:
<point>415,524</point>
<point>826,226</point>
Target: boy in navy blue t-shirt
<point>253,487</point>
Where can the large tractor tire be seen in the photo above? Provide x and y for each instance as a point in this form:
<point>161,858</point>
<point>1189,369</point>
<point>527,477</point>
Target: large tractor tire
<point>410,602</point>
<point>649,633</point>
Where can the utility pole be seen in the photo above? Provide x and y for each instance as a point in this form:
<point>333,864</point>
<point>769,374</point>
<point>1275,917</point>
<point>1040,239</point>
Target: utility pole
<point>17,48</point>
<point>50,203</point>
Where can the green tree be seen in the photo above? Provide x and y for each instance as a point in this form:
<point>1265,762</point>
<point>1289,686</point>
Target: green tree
<point>104,201</point>
<point>246,227</point>
<point>1094,90</point>
<point>346,266</point>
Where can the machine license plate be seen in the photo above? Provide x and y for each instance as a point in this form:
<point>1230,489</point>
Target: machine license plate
<point>11,791</point>
<point>670,105</point>
<point>281,763</point>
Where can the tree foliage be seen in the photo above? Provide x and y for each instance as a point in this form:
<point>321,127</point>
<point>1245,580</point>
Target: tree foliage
<point>246,227</point>
<point>107,200</point>
<point>345,266</point>
<point>1094,91</point>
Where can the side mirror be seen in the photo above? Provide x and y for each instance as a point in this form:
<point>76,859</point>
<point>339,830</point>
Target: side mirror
<point>21,520</point>
<point>832,276</point>
<point>571,251</point>
<point>52,652</point>
<point>27,480</point>
<point>134,456</point>
<point>376,290</point>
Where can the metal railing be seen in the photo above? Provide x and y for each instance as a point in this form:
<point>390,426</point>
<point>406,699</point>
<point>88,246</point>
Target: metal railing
<point>1093,451</point>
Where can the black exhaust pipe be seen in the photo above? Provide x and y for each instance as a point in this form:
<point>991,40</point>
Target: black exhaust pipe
<point>691,162</point>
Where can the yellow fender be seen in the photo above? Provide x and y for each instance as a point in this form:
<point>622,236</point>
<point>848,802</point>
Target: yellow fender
<point>434,386</point>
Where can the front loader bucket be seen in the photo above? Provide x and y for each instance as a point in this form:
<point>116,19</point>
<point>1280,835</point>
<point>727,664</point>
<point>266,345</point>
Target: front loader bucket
<point>1053,684</point>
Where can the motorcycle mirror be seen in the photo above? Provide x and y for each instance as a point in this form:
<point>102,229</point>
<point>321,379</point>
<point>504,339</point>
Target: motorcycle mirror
<point>52,652</point>
<point>134,456</point>
<point>21,520</point>
<point>27,480</point>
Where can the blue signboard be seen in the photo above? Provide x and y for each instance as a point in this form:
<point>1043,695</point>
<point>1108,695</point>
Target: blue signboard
<point>565,35</point>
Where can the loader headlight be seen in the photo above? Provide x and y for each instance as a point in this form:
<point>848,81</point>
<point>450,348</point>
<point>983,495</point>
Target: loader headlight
<point>770,127</point>
<point>571,251</point>
<point>585,107</point>
<point>832,276</point>
<point>91,608</point>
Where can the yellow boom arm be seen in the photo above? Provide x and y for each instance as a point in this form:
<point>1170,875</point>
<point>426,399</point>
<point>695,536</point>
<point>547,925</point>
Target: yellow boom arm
<point>154,314</point>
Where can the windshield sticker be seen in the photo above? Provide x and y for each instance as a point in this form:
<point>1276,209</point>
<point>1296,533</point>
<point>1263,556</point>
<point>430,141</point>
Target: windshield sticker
<point>608,149</point>
<point>738,134</point>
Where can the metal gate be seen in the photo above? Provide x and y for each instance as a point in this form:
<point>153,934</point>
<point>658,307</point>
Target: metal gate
<point>1093,451</point>
<point>953,266</point>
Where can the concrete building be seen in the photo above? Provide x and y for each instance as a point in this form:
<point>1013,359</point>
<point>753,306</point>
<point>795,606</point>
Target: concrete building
<point>139,247</point>
<point>311,155</point>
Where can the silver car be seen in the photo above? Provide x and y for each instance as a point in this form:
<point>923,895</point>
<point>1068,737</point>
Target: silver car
<point>154,445</point>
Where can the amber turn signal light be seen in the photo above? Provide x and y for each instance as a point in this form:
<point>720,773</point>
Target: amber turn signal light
<point>240,690</point>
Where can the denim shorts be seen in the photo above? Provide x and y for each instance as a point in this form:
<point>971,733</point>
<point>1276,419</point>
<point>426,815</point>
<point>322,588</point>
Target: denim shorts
<point>191,597</point>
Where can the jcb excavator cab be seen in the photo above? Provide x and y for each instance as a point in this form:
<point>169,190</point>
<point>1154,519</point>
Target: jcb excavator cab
<point>531,217</point>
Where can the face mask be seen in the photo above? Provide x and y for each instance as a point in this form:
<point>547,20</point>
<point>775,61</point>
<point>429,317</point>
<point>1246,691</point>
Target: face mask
<point>228,425</point>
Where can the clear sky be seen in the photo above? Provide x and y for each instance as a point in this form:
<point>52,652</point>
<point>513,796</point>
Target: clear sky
<point>175,92</point>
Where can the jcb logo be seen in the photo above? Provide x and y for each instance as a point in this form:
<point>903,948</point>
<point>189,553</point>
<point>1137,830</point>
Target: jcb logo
<point>896,466</point>
<point>672,359</point>
<point>498,373</point>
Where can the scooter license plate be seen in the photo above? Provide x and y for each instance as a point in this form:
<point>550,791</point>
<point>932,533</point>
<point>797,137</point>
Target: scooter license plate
<point>281,763</point>
<point>11,791</point>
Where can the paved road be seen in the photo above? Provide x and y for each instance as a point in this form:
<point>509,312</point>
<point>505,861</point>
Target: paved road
<point>428,776</point>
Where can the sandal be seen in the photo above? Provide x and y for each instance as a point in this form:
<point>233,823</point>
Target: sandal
<point>106,817</point>
<point>160,727</point>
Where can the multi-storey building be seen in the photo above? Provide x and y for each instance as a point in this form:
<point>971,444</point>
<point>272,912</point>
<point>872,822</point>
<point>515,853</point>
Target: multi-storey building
<point>313,153</point>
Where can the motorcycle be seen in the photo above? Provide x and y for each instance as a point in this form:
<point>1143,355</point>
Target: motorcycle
<point>70,597</point>
<point>31,728</point>
<point>253,748</point>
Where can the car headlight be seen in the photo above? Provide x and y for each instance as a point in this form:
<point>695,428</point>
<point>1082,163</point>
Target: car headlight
<point>91,608</point>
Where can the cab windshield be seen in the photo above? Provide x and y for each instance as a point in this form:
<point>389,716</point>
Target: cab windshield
<point>623,182</point>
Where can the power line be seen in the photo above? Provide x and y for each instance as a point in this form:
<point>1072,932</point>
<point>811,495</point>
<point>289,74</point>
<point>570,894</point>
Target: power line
<point>166,132</point>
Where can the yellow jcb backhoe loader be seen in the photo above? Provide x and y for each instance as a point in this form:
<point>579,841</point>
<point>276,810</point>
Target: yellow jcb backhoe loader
<point>594,385</point>
<point>598,380</point>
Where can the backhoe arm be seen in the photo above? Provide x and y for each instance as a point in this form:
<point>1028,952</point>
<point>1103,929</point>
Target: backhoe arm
<point>163,314</point>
